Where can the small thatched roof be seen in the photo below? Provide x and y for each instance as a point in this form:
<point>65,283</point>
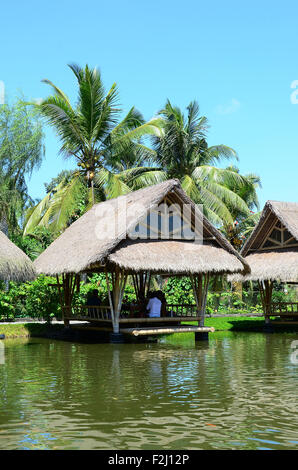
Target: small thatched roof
<point>100,237</point>
<point>274,265</point>
<point>175,256</point>
<point>272,249</point>
<point>14,264</point>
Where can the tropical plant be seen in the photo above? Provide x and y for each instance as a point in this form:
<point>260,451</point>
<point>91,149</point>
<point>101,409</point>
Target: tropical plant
<point>93,133</point>
<point>34,243</point>
<point>21,151</point>
<point>182,152</point>
<point>243,224</point>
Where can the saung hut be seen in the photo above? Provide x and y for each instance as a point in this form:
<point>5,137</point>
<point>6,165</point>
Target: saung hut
<point>272,254</point>
<point>156,230</point>
<point>14,264</point>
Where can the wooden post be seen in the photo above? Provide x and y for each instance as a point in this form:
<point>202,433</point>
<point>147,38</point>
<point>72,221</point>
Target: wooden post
<point>141,282</point>
<point>266,288</point>
<point>204,297</point>
<point>119,279</point>
<point>66,292</point>
<point>200,284</point>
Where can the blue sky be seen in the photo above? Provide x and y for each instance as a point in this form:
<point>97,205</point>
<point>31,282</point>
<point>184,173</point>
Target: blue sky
<point>238,61</point>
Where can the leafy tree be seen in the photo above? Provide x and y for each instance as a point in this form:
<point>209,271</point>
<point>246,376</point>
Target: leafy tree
<point>34,243</point>
<point>21,151</point>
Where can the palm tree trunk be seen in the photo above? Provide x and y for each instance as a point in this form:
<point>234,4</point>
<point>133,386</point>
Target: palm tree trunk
<point>92,192</point>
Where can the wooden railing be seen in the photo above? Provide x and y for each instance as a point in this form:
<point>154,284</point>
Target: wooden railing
<point>172,310</point>
<point>182,310</point>
<point>86,312</point>
<point>286,309</point>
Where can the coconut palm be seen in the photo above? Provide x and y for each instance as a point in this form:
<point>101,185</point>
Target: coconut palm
<point>183,152</point>
<point>93,133</point>
<point>243,223</point>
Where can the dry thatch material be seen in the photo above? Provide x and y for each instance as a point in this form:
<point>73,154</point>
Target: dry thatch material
<point>172,256</point>
<point>14,264</point>
<point>278,262</point>
<point>284,212</point>
<point>96,239</point>
<point>273,265</point>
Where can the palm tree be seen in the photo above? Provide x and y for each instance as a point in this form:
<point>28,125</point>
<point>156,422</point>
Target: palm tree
<point>243,223</point>
<point>183,152</point>
<point>94,135</point>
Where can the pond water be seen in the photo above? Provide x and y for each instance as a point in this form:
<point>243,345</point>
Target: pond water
<point>239,391</point>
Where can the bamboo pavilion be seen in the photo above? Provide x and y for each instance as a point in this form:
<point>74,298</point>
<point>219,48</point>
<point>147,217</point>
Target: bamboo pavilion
<point>156,230</point>
<point>272,254</point>
<point>14,264</point>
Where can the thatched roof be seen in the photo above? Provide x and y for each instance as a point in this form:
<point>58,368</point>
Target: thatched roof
<point>14,264</point>
<point>99,238</point>
<point>274,265</point>
<point>272,249</point>
<point>174,256</point>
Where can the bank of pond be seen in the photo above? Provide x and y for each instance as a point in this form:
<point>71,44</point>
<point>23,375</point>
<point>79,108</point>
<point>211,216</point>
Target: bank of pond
<point>35,329</point>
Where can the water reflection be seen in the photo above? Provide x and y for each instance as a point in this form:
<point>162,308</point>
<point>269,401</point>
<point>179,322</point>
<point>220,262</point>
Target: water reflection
<point>237,392</point>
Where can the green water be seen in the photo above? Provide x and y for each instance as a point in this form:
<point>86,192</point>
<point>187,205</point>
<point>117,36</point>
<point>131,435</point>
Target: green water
<point>238,392</point>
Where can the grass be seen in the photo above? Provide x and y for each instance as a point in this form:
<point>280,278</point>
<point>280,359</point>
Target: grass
<point>25,330</point>
<point>234,323</point>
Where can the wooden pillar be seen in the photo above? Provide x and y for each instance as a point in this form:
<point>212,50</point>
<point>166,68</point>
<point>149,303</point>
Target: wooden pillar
<point>141,282</point>
<point>66,292</point>
<point>119,278</point>
<point>266,288</point>
<point>200,284</point>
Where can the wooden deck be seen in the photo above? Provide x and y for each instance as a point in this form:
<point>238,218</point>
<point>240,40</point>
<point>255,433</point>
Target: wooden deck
<point>284,312</point>
<point>99,319</point>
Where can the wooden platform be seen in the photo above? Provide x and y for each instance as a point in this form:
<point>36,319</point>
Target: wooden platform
<point>136,319</point>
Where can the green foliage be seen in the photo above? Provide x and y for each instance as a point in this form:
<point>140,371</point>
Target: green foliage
<point>21,151</point>
<point>98,281</point>
<point>90,131</point>
<point>179,290</point>
<point>36,299</point>
<point>182,150</point>
<point>34,243</point>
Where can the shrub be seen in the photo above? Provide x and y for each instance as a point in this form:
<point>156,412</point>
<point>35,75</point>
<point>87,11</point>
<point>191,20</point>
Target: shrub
<point>36,299</point>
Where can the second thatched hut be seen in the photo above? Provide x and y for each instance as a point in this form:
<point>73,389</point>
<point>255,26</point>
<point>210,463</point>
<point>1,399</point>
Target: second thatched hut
<point>272,253</point>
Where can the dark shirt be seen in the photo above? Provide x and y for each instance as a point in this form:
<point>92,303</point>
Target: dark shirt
<point>93,300</point>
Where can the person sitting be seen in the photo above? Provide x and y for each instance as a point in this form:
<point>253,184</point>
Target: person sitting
<point>94,301</point>
<point>153,306</point>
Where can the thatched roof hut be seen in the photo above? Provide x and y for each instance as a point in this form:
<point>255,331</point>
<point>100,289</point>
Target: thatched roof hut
<point>101,237</point>
<point>14,264</point>
<point>272,249</point>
